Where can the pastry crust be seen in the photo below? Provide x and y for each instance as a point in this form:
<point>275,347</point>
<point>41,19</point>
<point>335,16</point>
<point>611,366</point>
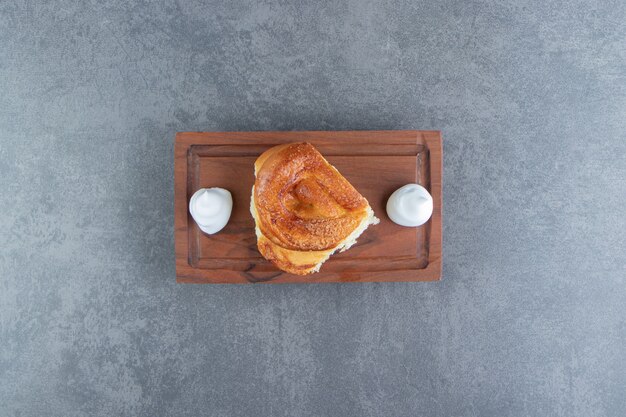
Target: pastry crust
<point>304,209</point>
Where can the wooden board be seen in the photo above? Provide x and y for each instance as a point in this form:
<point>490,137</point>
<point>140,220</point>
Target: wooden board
<point>375,162</point>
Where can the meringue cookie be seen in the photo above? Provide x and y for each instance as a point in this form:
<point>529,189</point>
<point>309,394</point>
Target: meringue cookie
<point>211,209</point>
<point>410,205</point>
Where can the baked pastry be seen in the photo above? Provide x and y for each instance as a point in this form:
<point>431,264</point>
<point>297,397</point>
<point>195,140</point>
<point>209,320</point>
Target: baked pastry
<point>304,209</point>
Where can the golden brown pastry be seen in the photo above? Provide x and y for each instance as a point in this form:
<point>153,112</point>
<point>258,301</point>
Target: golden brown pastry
<point>304,209</point>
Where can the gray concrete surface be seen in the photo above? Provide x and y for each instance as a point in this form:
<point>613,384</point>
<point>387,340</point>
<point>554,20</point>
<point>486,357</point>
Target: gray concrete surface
<point>530,317</point>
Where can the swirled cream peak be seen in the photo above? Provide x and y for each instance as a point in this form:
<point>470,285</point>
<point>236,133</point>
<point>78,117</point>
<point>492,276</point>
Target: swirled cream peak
<point>410,205</point>
<point>211,208</point>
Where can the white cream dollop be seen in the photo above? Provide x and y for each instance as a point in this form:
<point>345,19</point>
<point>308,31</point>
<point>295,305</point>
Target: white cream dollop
<point>410,205</point>
<point>211,208</point>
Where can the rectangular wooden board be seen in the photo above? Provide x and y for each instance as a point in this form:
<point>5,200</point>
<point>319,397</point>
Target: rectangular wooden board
<point>375,162</point>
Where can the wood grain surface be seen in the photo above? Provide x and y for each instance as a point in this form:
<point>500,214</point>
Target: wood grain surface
<point>375,162</point>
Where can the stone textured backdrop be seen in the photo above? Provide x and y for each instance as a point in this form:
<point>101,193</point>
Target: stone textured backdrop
<point>529,319</point>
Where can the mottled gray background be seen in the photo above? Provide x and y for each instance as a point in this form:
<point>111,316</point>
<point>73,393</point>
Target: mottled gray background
<point>529,319</point>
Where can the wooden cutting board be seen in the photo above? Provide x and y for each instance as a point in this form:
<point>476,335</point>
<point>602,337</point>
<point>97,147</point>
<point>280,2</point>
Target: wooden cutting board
<point>375,162</point>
